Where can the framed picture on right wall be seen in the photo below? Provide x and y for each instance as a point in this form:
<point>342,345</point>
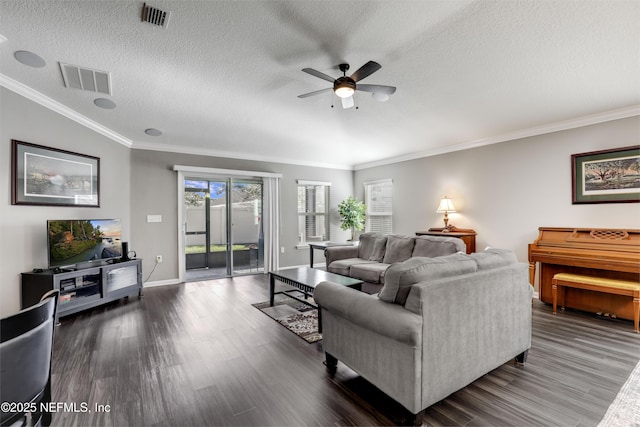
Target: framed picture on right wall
<point>607,176</point>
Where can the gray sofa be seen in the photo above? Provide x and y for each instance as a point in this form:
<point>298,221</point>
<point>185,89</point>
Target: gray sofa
<point>437,325</point>
<point>369,260</point>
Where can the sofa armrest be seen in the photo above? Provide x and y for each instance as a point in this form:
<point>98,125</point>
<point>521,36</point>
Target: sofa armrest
<point>368,311</point>
<point>334,253</point>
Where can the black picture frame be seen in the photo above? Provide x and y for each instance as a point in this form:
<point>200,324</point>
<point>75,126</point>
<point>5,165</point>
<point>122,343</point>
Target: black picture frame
<point>46,176</point>
<point>606,176</point>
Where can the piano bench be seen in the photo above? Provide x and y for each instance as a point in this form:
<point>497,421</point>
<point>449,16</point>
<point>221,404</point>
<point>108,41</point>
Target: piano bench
<point>598,284</point>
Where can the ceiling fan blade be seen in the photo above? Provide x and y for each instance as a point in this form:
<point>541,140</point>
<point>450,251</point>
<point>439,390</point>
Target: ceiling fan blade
<point>389,90</point>
<point>317,92</point>
<point>347,102</point>
<point>365,71</point>
<point>318,74</point>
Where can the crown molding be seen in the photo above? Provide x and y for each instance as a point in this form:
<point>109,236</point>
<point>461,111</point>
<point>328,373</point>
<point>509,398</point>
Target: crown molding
<point>592,119</point>
<point>234,155</point>
<point>61,109</point>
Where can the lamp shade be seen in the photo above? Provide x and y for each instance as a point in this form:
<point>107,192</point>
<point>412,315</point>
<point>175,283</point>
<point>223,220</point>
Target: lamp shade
<point>446,205</point>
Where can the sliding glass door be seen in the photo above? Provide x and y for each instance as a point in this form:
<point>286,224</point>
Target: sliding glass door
<point>247,235</point>
<point>223,227</point>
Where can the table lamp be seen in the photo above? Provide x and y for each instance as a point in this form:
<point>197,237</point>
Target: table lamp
<point>446,206</point>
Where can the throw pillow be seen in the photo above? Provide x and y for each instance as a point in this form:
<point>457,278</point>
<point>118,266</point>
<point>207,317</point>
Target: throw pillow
<point>433,246</point>
<point>494,258</point>
<point>400,277</point>
<point>372,246</point>
<point>399,248</point>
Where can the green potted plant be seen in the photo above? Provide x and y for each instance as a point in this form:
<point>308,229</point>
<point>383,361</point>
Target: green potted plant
<point>352,214</point>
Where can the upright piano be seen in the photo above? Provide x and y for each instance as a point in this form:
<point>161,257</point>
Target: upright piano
<point>598,252</point>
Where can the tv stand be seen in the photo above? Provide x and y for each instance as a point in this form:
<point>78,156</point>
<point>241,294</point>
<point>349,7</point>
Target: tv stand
<point>84,288</point>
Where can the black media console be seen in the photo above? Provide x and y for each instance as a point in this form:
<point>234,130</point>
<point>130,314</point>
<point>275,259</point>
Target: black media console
<point>84,288</point>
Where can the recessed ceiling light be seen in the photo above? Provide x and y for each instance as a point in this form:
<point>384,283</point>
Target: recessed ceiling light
<point>105,103</point>
<point>29,58</point>
<point>153,132</point>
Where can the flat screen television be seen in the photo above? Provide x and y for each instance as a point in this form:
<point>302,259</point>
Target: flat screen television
<point>82,242</point>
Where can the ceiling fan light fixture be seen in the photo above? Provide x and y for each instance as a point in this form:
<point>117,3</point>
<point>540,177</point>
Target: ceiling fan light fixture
<point>344,92</point>
<point>344,87</point>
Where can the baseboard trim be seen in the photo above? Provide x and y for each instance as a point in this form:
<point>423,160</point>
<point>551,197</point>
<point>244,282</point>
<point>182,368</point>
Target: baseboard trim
<point>160,283</point>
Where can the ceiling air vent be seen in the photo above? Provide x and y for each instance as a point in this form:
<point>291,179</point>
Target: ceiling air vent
<point>155,16</point>
<point>83,78</point>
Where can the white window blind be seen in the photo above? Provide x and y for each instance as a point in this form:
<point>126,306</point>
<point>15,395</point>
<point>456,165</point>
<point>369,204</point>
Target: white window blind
<point>313,211</point>
<point>379,200</point>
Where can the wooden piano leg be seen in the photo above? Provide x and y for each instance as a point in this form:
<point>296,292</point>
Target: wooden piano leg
<point>636,311</point>
<point>532,278</point>
<point>532,273</point>
<point>554,293</point>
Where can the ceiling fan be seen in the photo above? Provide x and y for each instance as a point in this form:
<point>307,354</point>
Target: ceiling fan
<point>345,86</point>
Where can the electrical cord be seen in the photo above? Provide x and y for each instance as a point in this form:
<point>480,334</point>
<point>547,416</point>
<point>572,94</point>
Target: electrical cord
<point>152,270</point>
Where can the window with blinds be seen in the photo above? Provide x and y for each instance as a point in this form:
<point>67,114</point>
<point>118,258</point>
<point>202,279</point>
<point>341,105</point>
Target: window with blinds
<point>313,211</point>
<point>379,201</point>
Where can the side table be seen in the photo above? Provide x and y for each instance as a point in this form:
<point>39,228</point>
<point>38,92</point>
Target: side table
<point>322,246</point>
<point>468,236</point>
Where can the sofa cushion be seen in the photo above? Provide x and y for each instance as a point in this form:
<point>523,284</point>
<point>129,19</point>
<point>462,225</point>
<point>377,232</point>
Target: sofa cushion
<point>371,272</point>
<point>400,277</point>
<point>494,258</point>
<point>343,266</point>
<point>433,246</point>
<point>399,248</point>
<point>372,246</point>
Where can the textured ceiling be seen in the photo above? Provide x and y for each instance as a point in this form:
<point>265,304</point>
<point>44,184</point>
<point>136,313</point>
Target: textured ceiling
<point>223,78</point>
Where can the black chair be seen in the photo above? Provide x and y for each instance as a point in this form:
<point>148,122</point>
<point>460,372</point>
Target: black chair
<point>26,344</point>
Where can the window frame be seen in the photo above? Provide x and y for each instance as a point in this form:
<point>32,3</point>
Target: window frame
<point>303,241</point>
<point>368,187</point>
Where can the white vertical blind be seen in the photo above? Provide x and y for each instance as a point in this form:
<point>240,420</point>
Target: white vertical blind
<point>379,201</point>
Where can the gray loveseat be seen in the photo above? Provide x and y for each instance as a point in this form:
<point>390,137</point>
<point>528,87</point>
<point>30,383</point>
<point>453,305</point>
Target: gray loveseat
<point>437,325</point>
<point>376,252</point>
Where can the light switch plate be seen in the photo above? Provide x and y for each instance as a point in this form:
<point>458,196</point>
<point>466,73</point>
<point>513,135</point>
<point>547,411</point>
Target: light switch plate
<point>154,218</point>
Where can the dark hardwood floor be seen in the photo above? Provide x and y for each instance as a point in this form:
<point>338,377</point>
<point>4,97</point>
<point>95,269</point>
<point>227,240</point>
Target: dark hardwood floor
<point>199,354</point>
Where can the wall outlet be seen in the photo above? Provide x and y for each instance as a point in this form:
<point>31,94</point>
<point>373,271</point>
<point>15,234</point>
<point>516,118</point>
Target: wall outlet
<point>158,258</point>
<point>154,218</point>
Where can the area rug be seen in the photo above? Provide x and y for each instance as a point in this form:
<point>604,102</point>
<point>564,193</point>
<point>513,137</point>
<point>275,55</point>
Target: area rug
<point>624,411</point>
<point>297,317</point>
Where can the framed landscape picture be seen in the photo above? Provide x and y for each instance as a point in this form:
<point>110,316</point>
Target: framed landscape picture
<point>608,176</point>
<point>52,177</point>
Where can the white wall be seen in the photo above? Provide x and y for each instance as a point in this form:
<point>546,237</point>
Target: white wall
<point>506,191</point>
<point>23,238</point>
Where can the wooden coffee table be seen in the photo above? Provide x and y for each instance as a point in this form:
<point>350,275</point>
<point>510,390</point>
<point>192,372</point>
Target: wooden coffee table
<point>306,279</point>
